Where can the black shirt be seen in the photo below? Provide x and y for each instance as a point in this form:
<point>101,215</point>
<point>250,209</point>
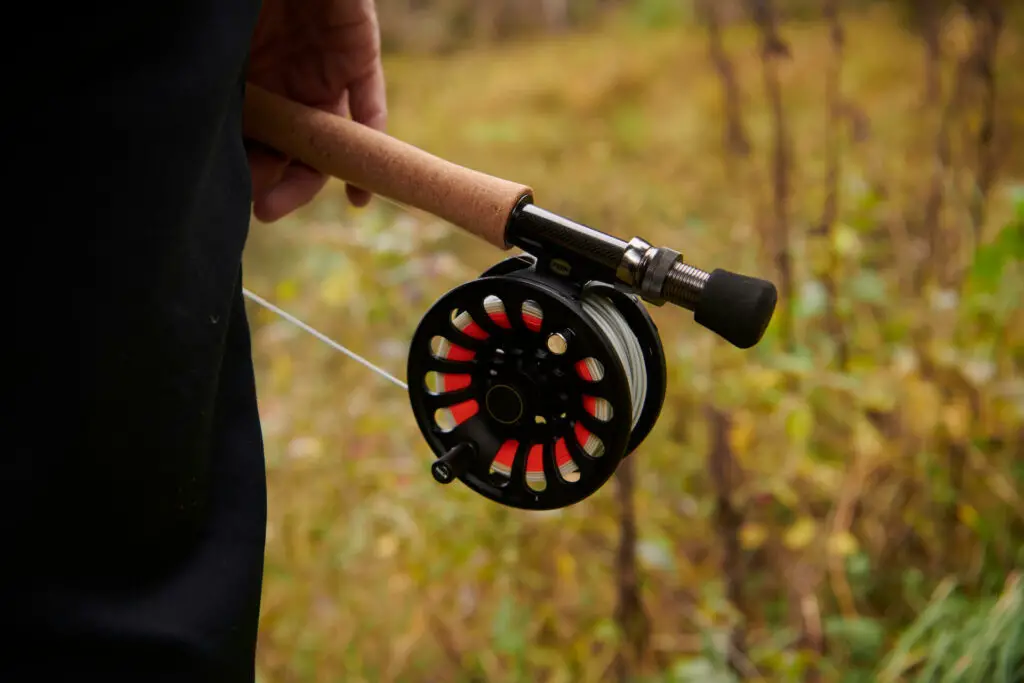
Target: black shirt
<point>133,492</point>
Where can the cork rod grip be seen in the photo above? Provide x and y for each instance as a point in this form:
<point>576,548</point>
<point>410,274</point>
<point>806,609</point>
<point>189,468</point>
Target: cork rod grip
<point>374,161</point>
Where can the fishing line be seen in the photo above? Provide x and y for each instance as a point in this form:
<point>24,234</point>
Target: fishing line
<point>324,338</point>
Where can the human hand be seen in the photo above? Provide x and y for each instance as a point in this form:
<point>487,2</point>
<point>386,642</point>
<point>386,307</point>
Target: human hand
<point>325,54</point>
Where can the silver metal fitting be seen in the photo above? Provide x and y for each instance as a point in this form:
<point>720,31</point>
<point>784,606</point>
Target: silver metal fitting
<point>652,287</point>
<point>631,267</point>
<point>684,285</point>
<point>558,343</point>
<point>647,269</point>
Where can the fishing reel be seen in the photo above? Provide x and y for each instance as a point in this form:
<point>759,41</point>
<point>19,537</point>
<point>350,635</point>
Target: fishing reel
<point>531,388</point>
<point>534,381</point>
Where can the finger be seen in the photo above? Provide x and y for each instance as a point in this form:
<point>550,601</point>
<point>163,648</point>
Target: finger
<point>341,106</point>
<point>298,186</point>
<point>368,104</point>
<point>357,197</point>
<point>367,98</point>
<point>266,167</point>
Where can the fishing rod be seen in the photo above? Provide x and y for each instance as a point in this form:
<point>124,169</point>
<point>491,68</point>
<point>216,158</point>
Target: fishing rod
<point>532,382</point>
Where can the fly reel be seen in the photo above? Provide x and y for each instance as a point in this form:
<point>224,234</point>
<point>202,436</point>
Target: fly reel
<point>531,388</point>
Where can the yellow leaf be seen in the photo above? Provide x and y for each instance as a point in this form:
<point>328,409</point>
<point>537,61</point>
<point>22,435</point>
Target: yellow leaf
<point>866,439</point>
<point>566,565</point>
<point>281,370</point>
<point>741,435</point>
<point>825,477</point>
<point>817,257</point>
<point>753,535</point>
<point>922,403</point>
<point>799,423</point>
<point>286,290</point>
<point>845,241</point>
<point>842,543</point>
<point>339,287</point>
<point>386,546</point>
<point>801,534</point>
<point>784,493</point>
<point>877,393</point>
<point>905,361</point>
<point>968,515</point>
<point>760,380</point>
<point>956,419</point>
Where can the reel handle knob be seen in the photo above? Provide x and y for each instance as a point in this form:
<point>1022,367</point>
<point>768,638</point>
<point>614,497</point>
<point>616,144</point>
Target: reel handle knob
<point>736,307</point>
<point>452,464</point>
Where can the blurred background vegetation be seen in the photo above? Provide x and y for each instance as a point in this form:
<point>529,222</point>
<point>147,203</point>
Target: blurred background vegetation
<point>844,502</point>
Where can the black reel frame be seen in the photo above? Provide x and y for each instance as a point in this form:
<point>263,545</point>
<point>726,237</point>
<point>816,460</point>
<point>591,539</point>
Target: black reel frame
<point>523,392</point>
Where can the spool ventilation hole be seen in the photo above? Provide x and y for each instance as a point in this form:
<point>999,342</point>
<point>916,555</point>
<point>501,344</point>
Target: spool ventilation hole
<point>443,349</point>
<point>566,465</point>
<point>495,309</point>
<point>533,315</point>
<point>600,408</point>
<point>444,419</point>
<point>448,419</point>
<point>502,464</point>
<point>464,322</point>
<point>535,479</point>
<point>589,442</point>
<point>590,369</point>
<point>442,383</point>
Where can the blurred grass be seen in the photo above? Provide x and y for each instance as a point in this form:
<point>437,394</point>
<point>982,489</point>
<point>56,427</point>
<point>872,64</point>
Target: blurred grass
<point>374,573</point>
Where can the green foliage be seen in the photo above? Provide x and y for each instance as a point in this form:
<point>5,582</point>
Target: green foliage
<point>866,484</point>
<point>991,261</point>
<point>862,638</point>
<point>957,639</point>
<point>660,13</point>
<point>699,670</point>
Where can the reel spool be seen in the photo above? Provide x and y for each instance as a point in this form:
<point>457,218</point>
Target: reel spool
<point>530,388</point>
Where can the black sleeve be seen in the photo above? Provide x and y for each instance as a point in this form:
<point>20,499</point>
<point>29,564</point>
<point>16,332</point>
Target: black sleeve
<point>132,493</point>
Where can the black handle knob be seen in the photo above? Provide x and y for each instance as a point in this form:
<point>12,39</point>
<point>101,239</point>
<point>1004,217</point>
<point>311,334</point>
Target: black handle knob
<point>452,464</point>
<point>736,307</point>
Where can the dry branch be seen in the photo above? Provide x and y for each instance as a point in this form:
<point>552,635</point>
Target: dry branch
<point>774,49</point>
